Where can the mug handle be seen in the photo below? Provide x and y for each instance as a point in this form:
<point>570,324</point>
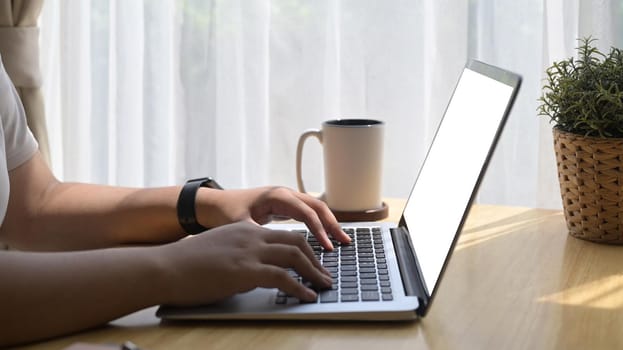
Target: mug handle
<point>299,155</point>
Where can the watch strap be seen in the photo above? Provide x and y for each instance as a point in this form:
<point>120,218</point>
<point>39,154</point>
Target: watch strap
<point>186,212</point>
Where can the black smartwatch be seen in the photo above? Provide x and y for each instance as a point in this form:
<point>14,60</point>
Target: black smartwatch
<point>186,213</point>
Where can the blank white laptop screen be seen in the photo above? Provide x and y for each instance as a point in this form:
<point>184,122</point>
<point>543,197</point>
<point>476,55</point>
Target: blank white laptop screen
<point>446,181</point>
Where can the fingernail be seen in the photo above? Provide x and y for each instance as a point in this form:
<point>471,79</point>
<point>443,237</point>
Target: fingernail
<point>346,236</point>
<point>328,280</point>
<point>311,295</point>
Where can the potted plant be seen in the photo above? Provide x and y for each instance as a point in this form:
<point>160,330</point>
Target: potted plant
<point>583,96</point>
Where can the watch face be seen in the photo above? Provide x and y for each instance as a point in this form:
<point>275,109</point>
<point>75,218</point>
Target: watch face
<point>206,182</point>
<point>211,183</point>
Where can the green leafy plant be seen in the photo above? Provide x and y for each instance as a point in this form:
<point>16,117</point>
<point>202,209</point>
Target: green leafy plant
<point>584,95</point>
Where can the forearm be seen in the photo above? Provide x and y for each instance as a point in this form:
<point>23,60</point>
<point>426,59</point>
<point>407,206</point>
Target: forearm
<point>49,294</point>
<point>45,214</point>
<point>84,216</point>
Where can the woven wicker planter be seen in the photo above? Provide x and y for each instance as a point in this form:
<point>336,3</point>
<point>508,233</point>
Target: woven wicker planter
<point>590,171</point>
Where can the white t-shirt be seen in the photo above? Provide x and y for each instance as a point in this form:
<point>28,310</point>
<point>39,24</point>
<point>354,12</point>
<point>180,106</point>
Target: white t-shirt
<point>17,144</point>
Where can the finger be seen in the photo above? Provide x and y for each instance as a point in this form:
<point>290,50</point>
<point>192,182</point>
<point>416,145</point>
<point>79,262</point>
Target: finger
<point>326,217</point>
<point>288,256</point>
<point>286,237</point>
<point>294,207</point>
<point>270,276</point>
<point>279,218</point>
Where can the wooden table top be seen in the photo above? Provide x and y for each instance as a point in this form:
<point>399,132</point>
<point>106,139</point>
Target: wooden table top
<point>516,280</point>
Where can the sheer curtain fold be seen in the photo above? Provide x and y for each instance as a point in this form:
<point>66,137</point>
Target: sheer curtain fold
<point>19,47</point>
<point>225,84</point>
<point>154,92</point>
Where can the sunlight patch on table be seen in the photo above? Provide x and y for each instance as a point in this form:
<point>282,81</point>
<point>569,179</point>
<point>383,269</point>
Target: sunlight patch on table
<point>472,238</point>
<point>604,293</point>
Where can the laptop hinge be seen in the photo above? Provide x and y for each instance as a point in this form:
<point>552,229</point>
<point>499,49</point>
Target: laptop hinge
<point>409,268</point>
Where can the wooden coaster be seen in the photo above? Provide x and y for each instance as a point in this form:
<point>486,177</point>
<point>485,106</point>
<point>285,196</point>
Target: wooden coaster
<point>365,215</point>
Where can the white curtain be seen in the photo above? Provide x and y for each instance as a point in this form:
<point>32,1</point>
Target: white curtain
<point>152,92</point>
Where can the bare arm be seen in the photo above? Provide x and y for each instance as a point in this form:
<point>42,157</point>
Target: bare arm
<point>59,293</point>
<point>48,294</point>
<point>45,214</point>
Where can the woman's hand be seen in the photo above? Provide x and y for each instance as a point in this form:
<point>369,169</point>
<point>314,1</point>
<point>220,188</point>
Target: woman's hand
<point>237,258</point>
<point>89,288</point>
<point>260,205</point>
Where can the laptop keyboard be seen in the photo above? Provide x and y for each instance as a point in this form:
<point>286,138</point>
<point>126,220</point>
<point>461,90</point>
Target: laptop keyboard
<point>359,269</point>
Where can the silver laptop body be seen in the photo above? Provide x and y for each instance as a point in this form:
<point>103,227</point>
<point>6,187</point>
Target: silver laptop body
<point>416,250</point>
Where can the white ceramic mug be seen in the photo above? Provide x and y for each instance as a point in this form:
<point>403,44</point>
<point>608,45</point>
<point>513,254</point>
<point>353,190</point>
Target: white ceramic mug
<point>353,161</point>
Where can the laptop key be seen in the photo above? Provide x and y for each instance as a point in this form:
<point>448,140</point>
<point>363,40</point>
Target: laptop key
<point>363,270</point>
<point>368,281</point>
<point>349,285</point>
<point>387,297</point>
<point>349,291</point>
<point>369,287</point>
<point>350,297</point>
<point>329,296</point>
<point>369,296</point>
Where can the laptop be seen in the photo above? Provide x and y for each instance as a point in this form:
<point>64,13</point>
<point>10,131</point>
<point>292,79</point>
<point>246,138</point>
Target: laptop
<point>391,271</point>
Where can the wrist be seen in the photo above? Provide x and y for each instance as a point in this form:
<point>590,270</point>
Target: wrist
<point>163,260</point>
<point>209,207</point>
